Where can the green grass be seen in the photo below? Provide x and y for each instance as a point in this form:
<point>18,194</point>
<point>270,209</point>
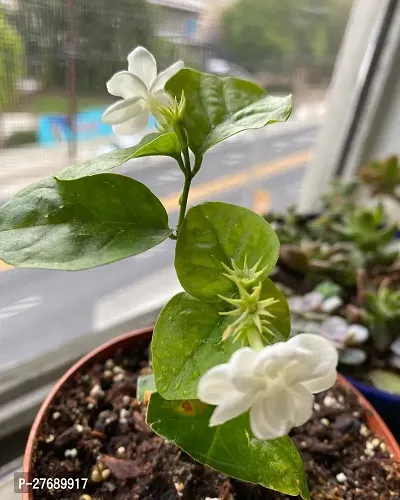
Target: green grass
<point>47,103</point>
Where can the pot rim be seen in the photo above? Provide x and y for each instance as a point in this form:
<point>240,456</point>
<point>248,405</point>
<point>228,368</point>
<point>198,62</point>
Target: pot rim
<point>375,422</point>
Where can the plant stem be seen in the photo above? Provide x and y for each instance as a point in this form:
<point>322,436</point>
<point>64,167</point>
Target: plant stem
<point>254,339</point>
<point>185,193</point>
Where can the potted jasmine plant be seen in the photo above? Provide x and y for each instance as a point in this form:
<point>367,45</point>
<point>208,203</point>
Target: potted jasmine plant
<point>226,384</point>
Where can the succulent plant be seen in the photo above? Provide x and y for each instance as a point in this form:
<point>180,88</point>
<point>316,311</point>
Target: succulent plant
<point>367,228</point>
<point>382,177</point>
<point>319,260</point>
<point>381,313</point>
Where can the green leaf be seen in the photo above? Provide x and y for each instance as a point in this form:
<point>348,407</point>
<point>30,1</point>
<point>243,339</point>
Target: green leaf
<point>145,384</point>
<point>187,341</point>
<point>80,224</point>
<point>217,108</point>
<point>385,380</point>
<point>151,145</point>
<point>214,233</point>
<point>229,448</point>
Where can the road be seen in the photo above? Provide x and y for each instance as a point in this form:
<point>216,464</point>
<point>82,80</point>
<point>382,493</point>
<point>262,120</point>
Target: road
<point>40,310</point>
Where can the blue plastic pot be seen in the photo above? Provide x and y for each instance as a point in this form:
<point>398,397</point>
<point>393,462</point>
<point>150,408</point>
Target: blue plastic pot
<point>386,404</point>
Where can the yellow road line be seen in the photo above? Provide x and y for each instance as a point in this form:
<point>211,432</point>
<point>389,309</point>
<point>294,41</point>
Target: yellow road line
<point>227,182</point>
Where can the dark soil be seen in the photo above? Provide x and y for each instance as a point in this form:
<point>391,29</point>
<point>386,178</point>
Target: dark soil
<point>115,449</point>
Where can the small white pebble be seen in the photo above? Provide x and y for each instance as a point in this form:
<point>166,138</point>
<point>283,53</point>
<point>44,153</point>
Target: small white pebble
<point>325,421</point>
<point>330,401</point>
<point>341,477</point>
<point>109,364</point>
<point>85,497</point>
<point>71,453</point>
<point>373,478</point>
<point>126,400</point>
<point>382,446</point>
<point>108,374</point>
<point>369,453</point>
<point>341,399</point>
<point>109,420</point>
<point>96,392</point>
<point>119,377</point>
<point>303,444</point>
<point>364,431</point>
<point>123,413</point>
<point>121,450</point>
<point>369,445</point>
<point>50,438</point>
<point>179,487</point>
<point>331,304</point>
<point>85,377</point>
<point>317,406</point>
<point>118,369</point>
<point>56,415</point>
<point>356,414</point>
<point>79,428</point>
<point>90,406</point>
<point>375,443</point>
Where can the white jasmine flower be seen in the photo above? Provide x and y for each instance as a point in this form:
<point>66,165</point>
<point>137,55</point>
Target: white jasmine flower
<point>276,384</point>
<point>142,92</point>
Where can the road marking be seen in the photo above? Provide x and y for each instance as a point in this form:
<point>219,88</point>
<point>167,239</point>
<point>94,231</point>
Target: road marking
<point>226,183</point>
<point>20,306</point>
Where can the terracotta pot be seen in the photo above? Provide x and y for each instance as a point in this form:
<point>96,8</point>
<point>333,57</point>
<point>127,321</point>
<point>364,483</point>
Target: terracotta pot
<point>143,335</point>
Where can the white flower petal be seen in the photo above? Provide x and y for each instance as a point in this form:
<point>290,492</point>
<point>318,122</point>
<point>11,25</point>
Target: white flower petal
<point>165,75</point>
<point>134,125</point>
<point>162,98</point>
<point>126,85</point>
<point>302,401</point>
<point>215,386</point>
<point>321,383</point>
<point>318,357</point>
<point>142,64</point>
<point>272,416</point>
<point>241,370</point>
<point>274,357</point>
<point>121,111</point>
<point>231,408</point>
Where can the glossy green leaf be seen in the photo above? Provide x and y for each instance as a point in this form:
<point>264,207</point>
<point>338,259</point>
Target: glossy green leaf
<point>151,145</point>
<point>145,384</point>
<point>217,108</point>
<point>79,224</point>
<point>216,232</point>
<point>187,341</point>
<point>229,448</point>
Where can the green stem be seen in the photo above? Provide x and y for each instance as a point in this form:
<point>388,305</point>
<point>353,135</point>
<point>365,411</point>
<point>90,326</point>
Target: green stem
<point>185,193</point>
<point>254,339</point>
<point>197,164</point>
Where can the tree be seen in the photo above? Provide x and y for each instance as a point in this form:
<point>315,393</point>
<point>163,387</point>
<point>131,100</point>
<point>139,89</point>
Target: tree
<point>105,32</point>
<point>11,62</point>
<point>277,34</point>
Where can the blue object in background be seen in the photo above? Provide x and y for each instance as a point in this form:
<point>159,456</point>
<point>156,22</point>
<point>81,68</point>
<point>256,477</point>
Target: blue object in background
<point>55,129</point>
<point>386,404</point>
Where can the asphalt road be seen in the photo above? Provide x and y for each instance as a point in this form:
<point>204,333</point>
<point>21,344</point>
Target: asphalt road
<point>40,310</point>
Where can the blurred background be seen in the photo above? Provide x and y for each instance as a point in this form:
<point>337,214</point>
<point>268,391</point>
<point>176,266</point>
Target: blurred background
<point>55,58</point>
